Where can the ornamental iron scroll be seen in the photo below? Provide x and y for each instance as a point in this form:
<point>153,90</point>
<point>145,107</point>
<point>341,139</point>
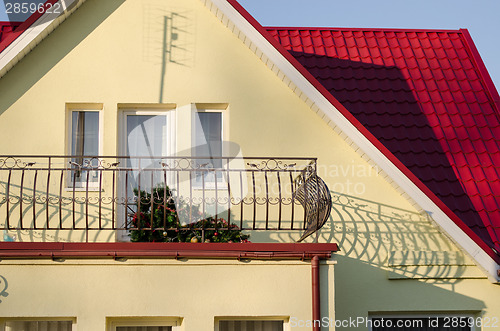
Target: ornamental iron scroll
<point>313,194</point>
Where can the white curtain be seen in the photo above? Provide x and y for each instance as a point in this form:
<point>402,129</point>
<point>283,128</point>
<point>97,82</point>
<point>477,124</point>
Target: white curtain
<point>38,326</point>
<point>146,136</point>
<point>208,138</point>
<point>144,328</point>
<point>251,325</point>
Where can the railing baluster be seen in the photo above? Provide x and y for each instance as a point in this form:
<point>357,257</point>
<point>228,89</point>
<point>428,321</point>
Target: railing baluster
<point>126,199</point>
<point>190,195</point>
<point>138,212</point>
<point>100,198</point>
<point>74,199</point>
<point>216,198</point>
<point>228,180</point>
<point>306,199</point>
<point>165,203</point>
<point>293,201</point>
<point>21,200</point>
<point>113,188</point>
<point>87,207</point>
<point>7,194</point>
<point>280,203</point>
<point>203,196</point>
<point>61,183</point>
<point>152,198</point>
<point>267,200</point>
<point>47,196</point>
<point>242,199</point>
<point>177,202</point>
<point>254,201</point>
<point>34,200</point>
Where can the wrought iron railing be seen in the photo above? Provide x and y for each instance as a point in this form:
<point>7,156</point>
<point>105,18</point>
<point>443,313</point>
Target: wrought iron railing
<point>75,198</point>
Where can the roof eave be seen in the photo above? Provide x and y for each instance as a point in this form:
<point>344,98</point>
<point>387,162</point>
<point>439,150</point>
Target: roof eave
<point>31,32</point>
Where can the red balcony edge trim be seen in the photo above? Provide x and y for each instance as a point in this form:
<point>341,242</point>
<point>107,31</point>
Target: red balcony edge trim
<point>268,251</point>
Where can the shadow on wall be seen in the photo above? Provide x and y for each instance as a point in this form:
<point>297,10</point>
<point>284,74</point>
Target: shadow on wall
<point>381,99</point>
<point>405,244</point>
<point>3,287</point>
<point>362,289</point>
<point>12,88</point>
<point>174,31</point>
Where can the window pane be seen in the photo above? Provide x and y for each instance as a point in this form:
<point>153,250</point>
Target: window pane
<point>85,133</point>
<point>420,324</point>
<point>208,136</point>
<point>38,326</point>
<point>208,142</point>
<point>143,328</point>
<point>251,325</point>
<point>84,142</point>
<point>146,135</point>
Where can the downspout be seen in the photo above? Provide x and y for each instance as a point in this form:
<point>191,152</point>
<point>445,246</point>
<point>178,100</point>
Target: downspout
<point>316,307</point>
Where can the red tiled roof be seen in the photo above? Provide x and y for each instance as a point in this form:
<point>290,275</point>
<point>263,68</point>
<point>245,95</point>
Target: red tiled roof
<point>426,95</point>
<point>18,28</point>
<point>7,28</point>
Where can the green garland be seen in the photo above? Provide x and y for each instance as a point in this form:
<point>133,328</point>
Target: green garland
<point>152,222</point>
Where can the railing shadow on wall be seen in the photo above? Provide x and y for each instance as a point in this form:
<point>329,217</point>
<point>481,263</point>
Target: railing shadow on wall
<point>405,243</point>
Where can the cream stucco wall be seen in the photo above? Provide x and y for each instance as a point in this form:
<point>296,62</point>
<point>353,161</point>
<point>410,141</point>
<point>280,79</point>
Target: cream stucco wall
<point>191,292</point>
<point>173,55</point>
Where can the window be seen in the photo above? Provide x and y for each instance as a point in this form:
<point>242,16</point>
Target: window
<point>421,323</point>
<point>251,325</point>
<point>143,328</point>
<point>84,147</point>
<point>147,324</point>
<point>26,325</point>
<point>208,136</point>
<point>148,135</point>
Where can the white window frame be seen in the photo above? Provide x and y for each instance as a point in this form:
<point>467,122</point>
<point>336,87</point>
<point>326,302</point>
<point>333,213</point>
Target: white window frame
<point>168,110</point>
<point>171,127</point>
<point>4,320</point>
<point>423,315</point>
<point>209,108</point>
<point>173,322</point>
<point>82,107</point>
<point>285,319</point>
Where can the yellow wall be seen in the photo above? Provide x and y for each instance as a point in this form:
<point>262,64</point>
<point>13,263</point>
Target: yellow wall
<point>193,292</point>
<point>112,53</point>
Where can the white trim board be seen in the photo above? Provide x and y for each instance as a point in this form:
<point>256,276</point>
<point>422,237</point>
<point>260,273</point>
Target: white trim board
<point>34,34</point>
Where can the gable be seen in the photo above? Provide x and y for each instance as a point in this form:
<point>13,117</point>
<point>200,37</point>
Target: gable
<point>97,56</point>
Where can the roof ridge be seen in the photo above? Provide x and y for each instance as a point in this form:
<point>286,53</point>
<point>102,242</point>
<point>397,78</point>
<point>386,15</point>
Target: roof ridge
<point>483,72</point>
<point>325,28</point>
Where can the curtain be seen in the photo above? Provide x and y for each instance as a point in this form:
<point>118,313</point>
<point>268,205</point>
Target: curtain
<point>208,142</point>
<point>146,136</point>
<point>251,325</point>
<point>143,328</point>
<point>38,326</point>
<point>85,141</point>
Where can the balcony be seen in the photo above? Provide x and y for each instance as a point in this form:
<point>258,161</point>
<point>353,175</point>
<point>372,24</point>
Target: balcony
<point>99,199</point>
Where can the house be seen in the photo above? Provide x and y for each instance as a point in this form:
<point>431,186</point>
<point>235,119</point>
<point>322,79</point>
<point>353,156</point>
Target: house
<point>106,103</point>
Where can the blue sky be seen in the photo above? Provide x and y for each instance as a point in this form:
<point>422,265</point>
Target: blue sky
<point>480,17</point>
